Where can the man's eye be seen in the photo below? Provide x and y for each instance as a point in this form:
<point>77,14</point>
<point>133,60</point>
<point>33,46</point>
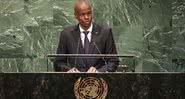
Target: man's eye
<point>88,13</point>
<point>82,14</point>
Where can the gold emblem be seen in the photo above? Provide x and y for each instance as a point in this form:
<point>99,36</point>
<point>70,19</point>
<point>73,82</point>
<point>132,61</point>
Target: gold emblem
<point>90,88</point>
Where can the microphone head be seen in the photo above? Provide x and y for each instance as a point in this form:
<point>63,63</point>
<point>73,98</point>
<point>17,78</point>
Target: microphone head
<point>92,40</point>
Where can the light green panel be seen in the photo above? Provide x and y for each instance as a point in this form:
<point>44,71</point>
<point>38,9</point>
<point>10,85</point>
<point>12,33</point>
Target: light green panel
<point>11,12</point>
<point>178,46</point>
<point>63,13</point>
<point>11,28</point>
<point>11,65</point>
<point>25,27</point>
<point>102,11</point>
<point>23,65</point>
<point>178,13</point>
<point>37,11</point>
<point>41,40</point>
<point>39,27</point>
<point>35,65</point>
<point>178,43</point>
<point>11,42</point>
<point>157,35</point>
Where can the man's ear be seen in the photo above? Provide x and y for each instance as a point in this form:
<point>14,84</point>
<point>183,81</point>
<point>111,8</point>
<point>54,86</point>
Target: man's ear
<point>75,15</point>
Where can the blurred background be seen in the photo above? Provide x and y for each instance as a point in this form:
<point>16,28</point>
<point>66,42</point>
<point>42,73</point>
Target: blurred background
<point>152,30</point>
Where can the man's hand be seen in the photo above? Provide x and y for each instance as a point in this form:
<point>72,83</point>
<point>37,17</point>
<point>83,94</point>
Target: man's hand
<point>92,70</point>
<point>73,70</point>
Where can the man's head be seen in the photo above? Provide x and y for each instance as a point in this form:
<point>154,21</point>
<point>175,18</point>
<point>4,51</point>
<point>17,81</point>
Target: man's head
<point>83,13</point>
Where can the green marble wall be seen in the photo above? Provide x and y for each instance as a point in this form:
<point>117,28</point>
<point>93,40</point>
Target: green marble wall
<point>153,30</point>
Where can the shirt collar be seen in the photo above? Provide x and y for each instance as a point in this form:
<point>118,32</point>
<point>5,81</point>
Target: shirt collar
<point>89,29</point>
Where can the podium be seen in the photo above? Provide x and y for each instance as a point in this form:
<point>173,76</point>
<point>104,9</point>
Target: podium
<point>122,67</point>
<point>119,85</point>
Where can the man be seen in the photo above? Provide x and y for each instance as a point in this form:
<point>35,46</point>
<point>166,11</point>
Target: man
<point>86,38</point>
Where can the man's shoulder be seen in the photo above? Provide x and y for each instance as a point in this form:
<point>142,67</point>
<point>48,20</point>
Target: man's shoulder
<point>102,26</point>
<point>104,29</point>
<point>69,28</point>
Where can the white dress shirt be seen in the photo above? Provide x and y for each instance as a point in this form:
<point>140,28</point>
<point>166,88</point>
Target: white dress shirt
<point>82,35</point>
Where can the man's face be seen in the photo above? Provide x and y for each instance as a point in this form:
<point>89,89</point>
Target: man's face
<point>84,15</point>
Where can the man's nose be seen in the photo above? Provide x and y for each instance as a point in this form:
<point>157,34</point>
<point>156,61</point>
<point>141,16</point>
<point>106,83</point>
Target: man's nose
<point>86,16</point>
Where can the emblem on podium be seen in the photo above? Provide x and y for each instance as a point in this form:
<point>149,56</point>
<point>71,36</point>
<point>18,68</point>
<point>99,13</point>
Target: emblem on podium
<point>90,88</point>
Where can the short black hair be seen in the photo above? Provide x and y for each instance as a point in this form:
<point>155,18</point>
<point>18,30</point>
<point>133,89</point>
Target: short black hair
<point>80,2</point>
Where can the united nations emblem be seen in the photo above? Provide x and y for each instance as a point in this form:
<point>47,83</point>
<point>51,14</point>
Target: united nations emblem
<point>90,88</point>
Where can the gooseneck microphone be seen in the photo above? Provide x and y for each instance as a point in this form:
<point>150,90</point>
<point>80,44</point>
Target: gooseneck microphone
<point>93,42</point>
<point>77,50</point>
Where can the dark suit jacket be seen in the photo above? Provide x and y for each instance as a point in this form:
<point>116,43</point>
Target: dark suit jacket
<point>70,43</point>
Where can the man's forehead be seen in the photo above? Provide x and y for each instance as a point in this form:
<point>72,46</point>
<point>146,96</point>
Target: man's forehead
<point>83,4</point>
<point>82,9</point>
<point>82,1</point>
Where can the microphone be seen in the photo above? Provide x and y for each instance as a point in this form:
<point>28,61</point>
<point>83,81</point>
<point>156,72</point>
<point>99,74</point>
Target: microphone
<point>77,50</point>
<point>100,53</point>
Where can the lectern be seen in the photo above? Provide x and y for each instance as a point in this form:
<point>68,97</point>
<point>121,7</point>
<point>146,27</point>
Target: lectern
<point>123,58</point>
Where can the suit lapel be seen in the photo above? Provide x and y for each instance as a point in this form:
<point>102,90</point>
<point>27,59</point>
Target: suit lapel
<point>92,47</point>
<point>76,34</point>
<point>93,38</point>
<point>78,39</point>
<point>95,33</point>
